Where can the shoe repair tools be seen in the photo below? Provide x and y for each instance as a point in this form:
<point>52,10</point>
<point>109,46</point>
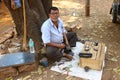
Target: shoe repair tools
<point>85,55</point>
<point>93,58</point>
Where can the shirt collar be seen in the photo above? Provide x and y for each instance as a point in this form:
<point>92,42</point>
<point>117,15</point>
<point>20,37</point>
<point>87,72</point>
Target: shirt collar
<point>52,22</point>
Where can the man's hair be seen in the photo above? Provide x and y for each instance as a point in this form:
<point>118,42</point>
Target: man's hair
<point>53,8</point>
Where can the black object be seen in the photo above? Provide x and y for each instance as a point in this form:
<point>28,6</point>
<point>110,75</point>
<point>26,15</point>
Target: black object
<point>85,55</point>
<point>72,38</point>
<point>96,43</point>
<point>68,50</point>
<point>60,63</point>
<point>86,68</point>
<point>83,41</point>
<point>16,59</point>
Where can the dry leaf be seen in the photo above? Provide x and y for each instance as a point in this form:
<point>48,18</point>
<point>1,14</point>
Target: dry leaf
<point>25,78</point>
<point>68,78</point>
<point>117,70</point>
<point>114,59</point>
<point>39,70</point>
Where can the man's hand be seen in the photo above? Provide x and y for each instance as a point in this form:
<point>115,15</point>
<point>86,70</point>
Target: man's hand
<point>67,44</point>
<point>61,45</point>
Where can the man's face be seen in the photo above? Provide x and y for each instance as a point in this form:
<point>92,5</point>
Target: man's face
<point>54,15</point>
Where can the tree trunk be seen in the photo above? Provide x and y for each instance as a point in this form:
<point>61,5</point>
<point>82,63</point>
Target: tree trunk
<point>47,4</point>
<point>36,14</point>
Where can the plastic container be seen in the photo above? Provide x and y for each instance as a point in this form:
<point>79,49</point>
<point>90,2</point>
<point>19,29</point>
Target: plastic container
<point>31,46</point>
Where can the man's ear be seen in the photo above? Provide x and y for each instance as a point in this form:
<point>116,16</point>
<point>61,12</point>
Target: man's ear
<point>49,14</point>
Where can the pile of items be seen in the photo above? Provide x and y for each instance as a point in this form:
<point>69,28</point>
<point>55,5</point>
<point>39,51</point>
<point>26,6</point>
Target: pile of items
<point>88,61</point>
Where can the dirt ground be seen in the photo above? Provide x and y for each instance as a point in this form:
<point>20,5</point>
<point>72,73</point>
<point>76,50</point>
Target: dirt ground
<point>97,27</point>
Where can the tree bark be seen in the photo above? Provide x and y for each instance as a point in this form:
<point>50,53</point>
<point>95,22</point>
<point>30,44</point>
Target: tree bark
<point>47,4</point>
<point>36,14</point>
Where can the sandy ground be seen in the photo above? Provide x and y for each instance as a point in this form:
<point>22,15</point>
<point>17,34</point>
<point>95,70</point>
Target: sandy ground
<point>97,27</point>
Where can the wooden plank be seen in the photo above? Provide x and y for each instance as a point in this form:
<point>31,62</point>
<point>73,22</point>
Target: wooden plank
<point>102,51</point>
<point>99,51</point>
<point>94,53</point>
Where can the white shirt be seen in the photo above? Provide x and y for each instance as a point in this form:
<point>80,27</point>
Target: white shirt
<point>50,33</point>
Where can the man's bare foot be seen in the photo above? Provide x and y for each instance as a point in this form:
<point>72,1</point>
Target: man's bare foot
<point>68,56</point>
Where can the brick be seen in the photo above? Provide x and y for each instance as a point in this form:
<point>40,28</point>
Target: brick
<point>27,67</point>
<point>7,72</point>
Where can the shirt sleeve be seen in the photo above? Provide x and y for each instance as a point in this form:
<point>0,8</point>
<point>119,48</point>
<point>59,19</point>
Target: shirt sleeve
<point>64,30</point>
<point>45,33</point>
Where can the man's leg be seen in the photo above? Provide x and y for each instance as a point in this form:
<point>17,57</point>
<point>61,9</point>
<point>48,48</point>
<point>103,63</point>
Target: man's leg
<point>72,38</point>
<point>53,53</point>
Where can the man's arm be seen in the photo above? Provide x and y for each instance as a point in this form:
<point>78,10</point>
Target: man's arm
<point>56,45</point>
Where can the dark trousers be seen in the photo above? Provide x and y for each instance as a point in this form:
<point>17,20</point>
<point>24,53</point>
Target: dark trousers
<point>54,53</point>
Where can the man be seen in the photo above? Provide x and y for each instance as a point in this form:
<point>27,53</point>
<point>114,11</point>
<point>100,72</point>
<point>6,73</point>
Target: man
<point>54,36</point>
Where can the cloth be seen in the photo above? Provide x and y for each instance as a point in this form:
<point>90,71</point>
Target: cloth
<point>75,69</point>
<point>52,34</point>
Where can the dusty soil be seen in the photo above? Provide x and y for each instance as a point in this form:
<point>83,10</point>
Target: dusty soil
<point>96,27</point>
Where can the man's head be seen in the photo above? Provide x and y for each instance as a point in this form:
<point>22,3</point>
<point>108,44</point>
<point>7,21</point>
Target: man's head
<point>54,13</point>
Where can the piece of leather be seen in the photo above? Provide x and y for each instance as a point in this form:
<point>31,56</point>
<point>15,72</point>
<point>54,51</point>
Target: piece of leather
<point>85,55</point>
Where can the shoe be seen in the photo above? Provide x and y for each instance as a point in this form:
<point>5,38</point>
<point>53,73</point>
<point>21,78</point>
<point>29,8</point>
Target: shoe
<point>71,53</point>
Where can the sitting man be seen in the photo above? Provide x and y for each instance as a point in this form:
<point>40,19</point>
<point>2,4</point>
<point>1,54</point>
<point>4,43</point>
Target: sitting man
<point>55,37</point>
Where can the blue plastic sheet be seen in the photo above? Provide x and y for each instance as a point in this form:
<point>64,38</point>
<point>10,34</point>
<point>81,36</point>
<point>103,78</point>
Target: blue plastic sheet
<point>15,59</point>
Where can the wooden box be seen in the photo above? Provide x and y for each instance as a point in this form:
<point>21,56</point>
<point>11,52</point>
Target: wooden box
<point>96,61</point>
